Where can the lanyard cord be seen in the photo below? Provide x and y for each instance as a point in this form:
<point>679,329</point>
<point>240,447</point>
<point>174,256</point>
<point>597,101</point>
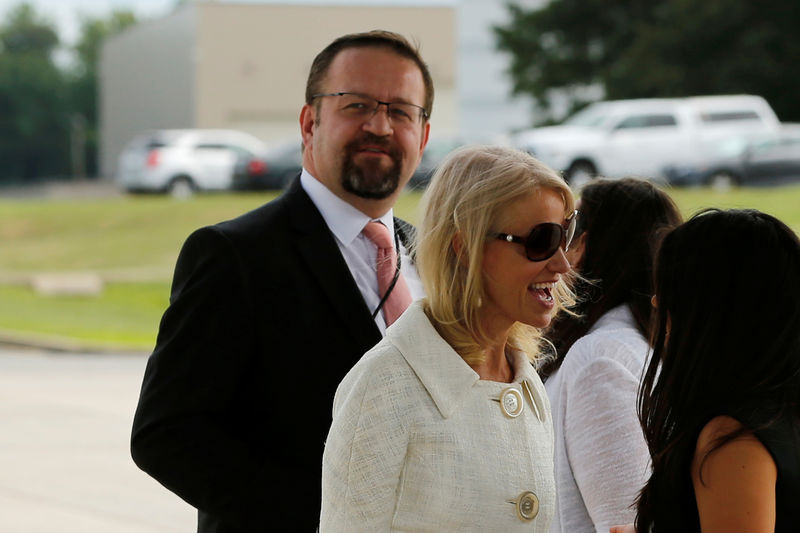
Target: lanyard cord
<point>394,279</point>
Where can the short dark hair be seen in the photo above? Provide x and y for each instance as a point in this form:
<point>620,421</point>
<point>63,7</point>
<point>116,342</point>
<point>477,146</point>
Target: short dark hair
<point>371,39</point>
<point>623,219</point>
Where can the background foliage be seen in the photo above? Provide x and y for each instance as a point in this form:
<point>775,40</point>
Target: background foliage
<point>48,109</point>
<point>654,48</point>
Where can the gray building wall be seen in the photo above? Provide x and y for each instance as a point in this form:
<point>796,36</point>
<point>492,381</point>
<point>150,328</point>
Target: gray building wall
<point>244,66</point>
<point>236,86</point>
<point>485,104</point>
<point>147,81</point>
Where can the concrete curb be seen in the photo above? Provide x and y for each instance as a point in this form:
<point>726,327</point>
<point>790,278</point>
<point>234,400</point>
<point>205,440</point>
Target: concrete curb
<point>63,345</point>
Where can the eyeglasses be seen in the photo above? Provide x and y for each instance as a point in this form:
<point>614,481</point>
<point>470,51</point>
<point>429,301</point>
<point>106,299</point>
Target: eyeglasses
<point>544,239</point>
<point>363,107</point>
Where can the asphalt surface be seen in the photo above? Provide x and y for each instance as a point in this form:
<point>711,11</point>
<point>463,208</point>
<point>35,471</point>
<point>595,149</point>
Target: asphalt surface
<point>65,421</point>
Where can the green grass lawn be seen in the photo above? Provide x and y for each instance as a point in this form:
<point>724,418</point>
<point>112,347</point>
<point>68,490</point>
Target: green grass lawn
<point>132,243</point>
<point>123,317</point>
<point>137,236</point>
<point>781,202</point>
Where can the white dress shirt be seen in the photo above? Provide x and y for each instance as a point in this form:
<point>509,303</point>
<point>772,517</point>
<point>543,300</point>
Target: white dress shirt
<point>601,456</point>
<point>346,223</point>
<point>419,443</point>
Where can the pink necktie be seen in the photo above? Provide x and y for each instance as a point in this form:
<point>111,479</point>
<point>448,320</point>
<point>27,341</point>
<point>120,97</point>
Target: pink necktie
<point>386,263</point>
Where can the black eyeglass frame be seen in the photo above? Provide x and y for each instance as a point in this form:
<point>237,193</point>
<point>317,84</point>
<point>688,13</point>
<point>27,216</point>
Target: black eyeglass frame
<point>423,113</point>
<point>566,234</point>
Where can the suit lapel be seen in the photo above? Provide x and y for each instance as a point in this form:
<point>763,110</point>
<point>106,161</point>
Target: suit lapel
<point>317,246</point>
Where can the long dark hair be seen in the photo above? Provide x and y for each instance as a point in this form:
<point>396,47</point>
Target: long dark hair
<point>726,342</point>
<point>622,220</point>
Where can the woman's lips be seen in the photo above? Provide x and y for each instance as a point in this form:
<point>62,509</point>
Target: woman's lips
<point>543,291</point>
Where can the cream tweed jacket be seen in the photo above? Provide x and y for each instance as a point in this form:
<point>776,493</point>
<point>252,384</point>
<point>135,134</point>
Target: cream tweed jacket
<point>419,443</point>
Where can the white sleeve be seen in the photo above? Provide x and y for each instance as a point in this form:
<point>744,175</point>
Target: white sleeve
<point>364,454</point>
<point>604,441</point>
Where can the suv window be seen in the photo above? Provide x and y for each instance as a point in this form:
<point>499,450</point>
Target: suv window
<point>212,146</point>
<point>723,116</point>
<point>647,121</point>
<point>239,151</point>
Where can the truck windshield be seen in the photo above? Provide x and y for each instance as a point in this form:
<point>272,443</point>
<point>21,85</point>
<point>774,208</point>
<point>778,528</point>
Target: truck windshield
<point>592,117</point>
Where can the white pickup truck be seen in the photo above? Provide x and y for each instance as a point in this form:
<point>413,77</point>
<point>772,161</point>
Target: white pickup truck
<point>641,137</point>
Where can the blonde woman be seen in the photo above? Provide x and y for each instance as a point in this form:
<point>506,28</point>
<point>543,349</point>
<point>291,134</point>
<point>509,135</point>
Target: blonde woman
<point>445,425</point>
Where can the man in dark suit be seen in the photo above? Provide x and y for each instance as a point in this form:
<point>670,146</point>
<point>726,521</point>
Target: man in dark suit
<point>270,310</point>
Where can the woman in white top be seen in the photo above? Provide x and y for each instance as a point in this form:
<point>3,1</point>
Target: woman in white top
<point>601,456</point>
<point>445,426</point>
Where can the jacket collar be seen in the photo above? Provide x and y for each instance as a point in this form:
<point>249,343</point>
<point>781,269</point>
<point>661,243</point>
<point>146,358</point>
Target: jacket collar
<point>445,375</point>
<point>620,316</point>
<point>317,246</point>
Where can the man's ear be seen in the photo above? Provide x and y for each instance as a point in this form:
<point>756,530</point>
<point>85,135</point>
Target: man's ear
<point>576,251</point>
<point>308,116</point>
<point>426,130</point>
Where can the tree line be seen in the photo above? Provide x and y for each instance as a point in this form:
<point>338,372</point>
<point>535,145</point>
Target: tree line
<point>574,49</point>
<point>48,108</point>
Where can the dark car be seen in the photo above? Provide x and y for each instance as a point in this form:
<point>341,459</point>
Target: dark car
<point>272,169</point>
<point>767,159</point>
<point>439,147</point>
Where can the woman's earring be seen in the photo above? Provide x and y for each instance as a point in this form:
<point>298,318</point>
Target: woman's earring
<point>480,301</point>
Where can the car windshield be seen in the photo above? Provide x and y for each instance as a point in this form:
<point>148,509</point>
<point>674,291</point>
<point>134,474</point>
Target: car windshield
<point>148,141</point>
<point>731,147</point>
<point>592,117</point>
<point>734,146</point>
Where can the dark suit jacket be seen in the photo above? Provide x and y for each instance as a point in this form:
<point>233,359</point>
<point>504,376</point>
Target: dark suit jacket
<point>264,321</point>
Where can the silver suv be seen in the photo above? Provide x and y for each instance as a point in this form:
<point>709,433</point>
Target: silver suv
<point>641,137</point>
<point>181,162</point>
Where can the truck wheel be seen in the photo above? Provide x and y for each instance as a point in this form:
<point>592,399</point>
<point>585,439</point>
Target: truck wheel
<point>722,181</point>
<point>580,173</point>
<point>181,187</point>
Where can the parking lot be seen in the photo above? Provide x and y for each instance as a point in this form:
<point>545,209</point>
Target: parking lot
<point>64,463</point>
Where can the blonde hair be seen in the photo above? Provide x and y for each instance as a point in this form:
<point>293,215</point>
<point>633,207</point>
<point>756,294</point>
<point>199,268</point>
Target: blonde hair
<point>466,200</point>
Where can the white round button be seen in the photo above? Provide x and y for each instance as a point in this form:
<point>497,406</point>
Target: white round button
<point>511,402</point>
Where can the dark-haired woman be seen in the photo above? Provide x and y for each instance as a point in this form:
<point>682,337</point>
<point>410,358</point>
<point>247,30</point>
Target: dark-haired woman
<point>720,401</point>
<point>601,457</point>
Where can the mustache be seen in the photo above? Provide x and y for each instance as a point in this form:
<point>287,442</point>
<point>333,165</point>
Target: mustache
<point>369,139</point>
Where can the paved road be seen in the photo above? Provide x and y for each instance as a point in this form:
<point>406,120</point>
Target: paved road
<point>64,462</point>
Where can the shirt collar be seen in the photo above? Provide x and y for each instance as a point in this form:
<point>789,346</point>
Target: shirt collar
<point>344,220</point>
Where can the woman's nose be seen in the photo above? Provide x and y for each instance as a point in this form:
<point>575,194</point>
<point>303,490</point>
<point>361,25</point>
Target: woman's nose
<point>559,262</point>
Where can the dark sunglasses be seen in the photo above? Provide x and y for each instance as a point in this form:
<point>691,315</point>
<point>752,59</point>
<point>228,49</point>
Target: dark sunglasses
<point>544,239</point>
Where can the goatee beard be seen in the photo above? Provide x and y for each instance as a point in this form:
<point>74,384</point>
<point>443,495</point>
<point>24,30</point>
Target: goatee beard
<point>371,180</point>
